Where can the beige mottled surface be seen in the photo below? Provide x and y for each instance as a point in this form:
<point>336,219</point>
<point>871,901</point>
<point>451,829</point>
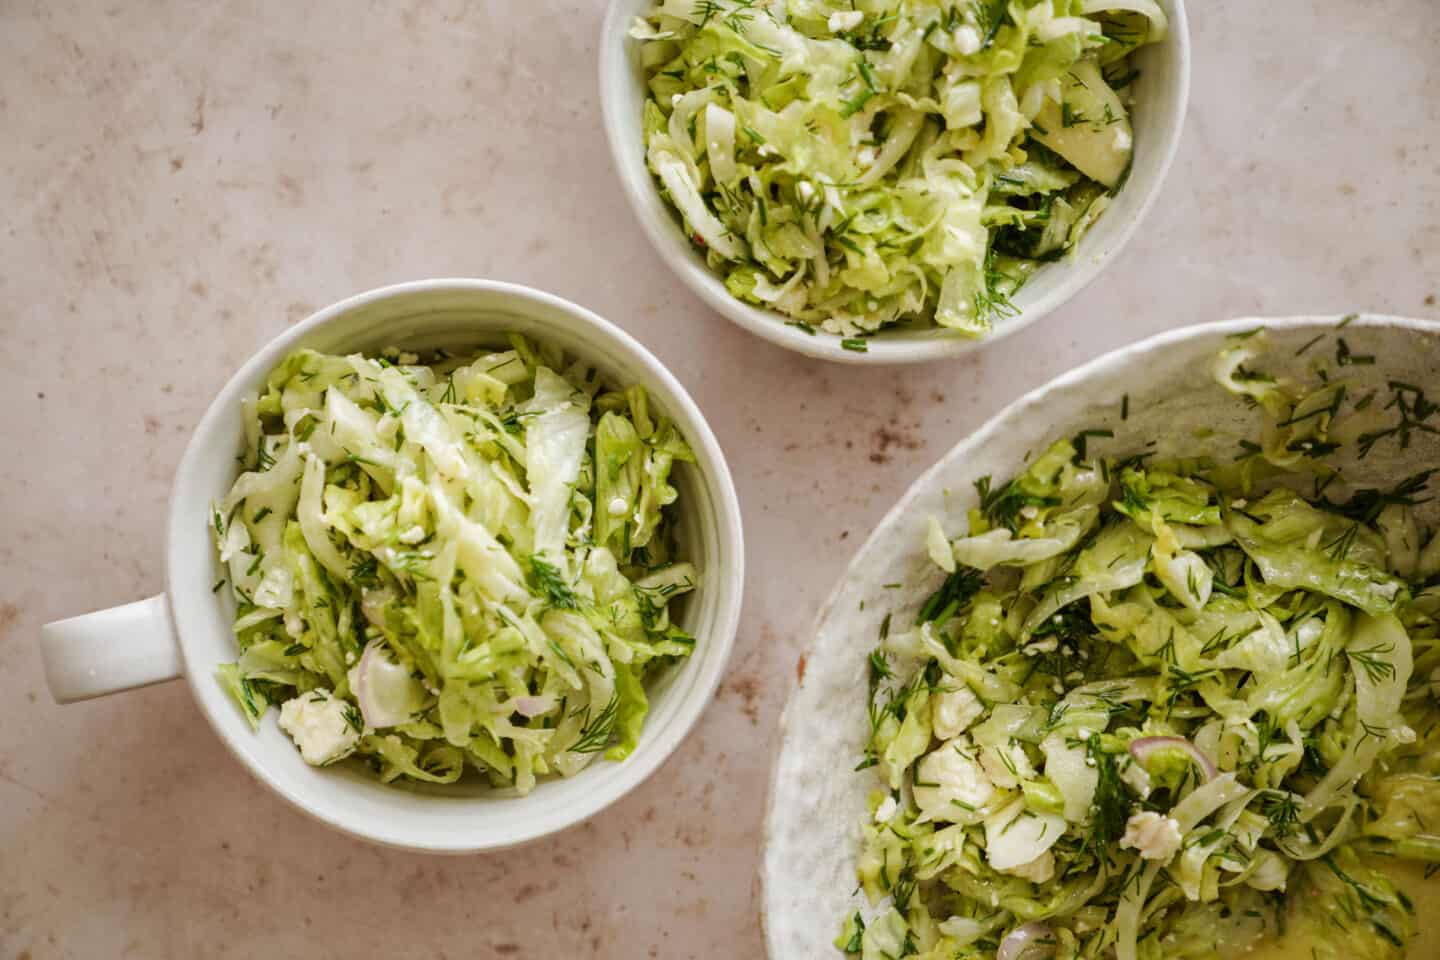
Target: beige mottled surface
<point>181,180</point>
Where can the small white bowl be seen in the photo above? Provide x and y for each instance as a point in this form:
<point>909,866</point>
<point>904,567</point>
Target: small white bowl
<point>1161,94</point>
<point>188,630</point>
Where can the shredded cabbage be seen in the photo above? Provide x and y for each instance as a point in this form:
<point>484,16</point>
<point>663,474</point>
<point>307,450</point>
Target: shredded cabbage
<point>898,162</point>
<point>466,562</point>
<point>1030,723</point>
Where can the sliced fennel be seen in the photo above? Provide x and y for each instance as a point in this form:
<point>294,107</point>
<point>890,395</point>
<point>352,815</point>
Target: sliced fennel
<point>860,166</point>
<point>467,562</point>
<point>1202,705</point>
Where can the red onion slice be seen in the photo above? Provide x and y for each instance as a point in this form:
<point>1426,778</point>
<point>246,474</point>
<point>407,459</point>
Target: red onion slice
<point>384,689</point>
<point>1145,747</point>
<point>1029,941</point>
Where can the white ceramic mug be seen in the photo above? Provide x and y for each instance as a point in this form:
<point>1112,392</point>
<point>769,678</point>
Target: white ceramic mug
<point>187,631</point>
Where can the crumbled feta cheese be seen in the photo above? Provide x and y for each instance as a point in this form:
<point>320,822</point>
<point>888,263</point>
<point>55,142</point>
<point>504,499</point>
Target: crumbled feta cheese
<point>1039,870</point>
<point>1405,734</point>
<point>866,157</point>
<point>886,810</point>
<point>1029,511</point>
<point>768,151</point>
<point>1048,645</point>
<point>960,784</point>
<point>806,189</point>
<point>953,711</point>
<point>617,507</point>
<point>413,535</point>
<point>316,722</point>
<point>1154,835</point>
<point>966,39</point>
<point>294,624</point>
<point>843,20</point>
<point>1240,503</point>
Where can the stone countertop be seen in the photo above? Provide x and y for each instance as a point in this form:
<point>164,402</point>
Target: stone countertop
<point>181,181</point>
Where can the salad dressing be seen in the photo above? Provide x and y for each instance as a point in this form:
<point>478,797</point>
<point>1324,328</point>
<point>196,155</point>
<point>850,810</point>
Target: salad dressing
<point>1411,878</point>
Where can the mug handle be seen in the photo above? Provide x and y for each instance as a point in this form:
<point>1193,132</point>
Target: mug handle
<point>110,650</point>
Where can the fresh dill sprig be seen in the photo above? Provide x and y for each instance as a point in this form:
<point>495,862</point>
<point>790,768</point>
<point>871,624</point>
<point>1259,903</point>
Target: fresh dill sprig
<point>1368,503</point>
<point>953,594</point>
<point>595,732</point>
<point>992,300</point>
<point>550,584</point>
<point>365,571</point>
<point>1110,808</point>
<point>1002,507</point>
<point>1414,409</point>
<point>1371,661</point>
<point>989,17</point>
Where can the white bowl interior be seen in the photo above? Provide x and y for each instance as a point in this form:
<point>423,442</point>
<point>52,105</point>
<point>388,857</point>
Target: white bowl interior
<point>817,803</point>
<point>457,315</point>
<point>1161,93</point>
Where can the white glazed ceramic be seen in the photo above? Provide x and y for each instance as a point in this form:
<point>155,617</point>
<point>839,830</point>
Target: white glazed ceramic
<point>817,801</point>
<point>1161,94</point>
<point>188,629</point>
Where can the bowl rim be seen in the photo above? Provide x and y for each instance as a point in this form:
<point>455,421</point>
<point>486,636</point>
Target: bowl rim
<point>729,578</point>
<point>1032,403</point>
<point>657,223</point>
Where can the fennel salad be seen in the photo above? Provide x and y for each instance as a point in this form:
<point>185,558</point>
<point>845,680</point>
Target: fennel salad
<point>463,562</point>
<point>1167,708</point>
<point>855,166</point>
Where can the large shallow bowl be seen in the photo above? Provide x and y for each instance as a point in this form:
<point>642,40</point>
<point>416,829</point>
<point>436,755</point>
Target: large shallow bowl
<point>812,830</point>
<point>189,629</point>
<point>1161,94</point>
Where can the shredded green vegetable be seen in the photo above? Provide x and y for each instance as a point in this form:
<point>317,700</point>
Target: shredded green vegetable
<point>1165,709</point>
<point>859,166</point>
<point>463,562</point>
